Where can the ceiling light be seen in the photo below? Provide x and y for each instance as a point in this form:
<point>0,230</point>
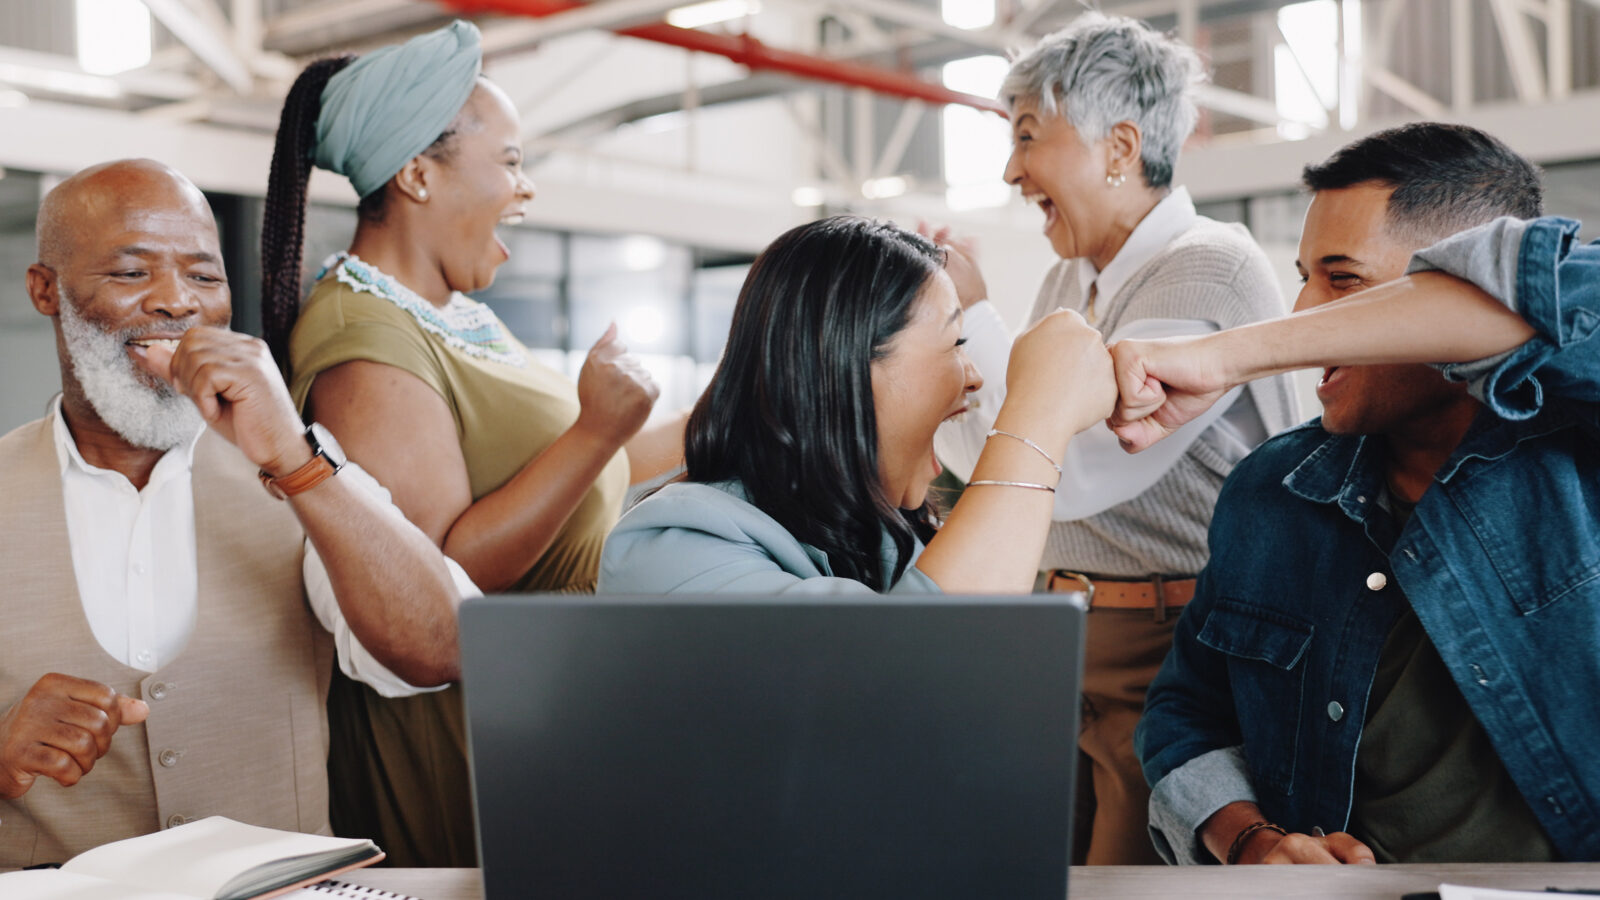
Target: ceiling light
<point>884,188</point>
<point>969,14</point>
<point>113,35</point>
<point>642,253</point>
<point>807,196</point>
<point>712,12</point>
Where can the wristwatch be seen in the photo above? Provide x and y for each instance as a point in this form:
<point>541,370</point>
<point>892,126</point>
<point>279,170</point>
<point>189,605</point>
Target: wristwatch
<point>327,458</point>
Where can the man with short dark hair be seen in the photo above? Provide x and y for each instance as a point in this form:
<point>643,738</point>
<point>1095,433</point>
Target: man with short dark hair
<point>1390,655</point>
<point>161,662</point>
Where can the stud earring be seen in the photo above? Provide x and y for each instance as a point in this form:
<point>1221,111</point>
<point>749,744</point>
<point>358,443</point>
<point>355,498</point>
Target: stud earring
<point>1115,179</point>
<point>422,193</point>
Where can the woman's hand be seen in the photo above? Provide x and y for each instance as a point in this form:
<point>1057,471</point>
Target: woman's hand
<point>615,392</point>
<point>1059,380</point>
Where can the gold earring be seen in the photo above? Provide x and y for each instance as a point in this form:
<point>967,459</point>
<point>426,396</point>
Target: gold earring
<point>1115,179</point>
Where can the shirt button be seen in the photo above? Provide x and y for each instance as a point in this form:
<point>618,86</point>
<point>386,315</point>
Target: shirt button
<point>1335,711</point>
<point>145,656</point>
<point>158,691</point>
<point>138,568</point>
<point>1377,581</point>
<point>174,820</point>
<point>169,758</point>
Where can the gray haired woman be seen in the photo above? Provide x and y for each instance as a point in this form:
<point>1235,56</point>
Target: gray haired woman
<point>1099,111</point>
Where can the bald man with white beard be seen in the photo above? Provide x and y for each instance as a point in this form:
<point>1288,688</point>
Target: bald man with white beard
<point>184,558</point>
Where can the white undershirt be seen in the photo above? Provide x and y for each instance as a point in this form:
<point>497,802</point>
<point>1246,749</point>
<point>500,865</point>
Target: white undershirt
<point>133,553</point>
<point>1096,473</point>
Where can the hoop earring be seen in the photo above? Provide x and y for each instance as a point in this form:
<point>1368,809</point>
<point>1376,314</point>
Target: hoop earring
<point>1115,179</point>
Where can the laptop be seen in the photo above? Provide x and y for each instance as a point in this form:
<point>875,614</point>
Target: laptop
<point>773,747</point>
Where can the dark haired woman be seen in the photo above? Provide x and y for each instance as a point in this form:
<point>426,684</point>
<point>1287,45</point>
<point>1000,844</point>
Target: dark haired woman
<point>811,451</point>
<point>514,473</point>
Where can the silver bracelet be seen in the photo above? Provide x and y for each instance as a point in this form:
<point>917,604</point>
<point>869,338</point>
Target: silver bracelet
<point>1037,449</point>
<point>1022,484</point>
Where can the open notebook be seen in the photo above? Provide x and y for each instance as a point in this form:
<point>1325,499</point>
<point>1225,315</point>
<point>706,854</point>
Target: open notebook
<point>212,859</point>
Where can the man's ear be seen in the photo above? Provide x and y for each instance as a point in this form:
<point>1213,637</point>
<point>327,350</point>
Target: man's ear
<point>1124,146</point>
<point>44,289</point>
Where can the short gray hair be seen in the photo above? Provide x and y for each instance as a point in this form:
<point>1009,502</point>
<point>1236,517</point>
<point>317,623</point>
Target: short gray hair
<point>1110,69</point>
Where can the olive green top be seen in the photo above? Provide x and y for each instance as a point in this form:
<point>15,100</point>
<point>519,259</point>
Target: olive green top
<point>508,407</point>
<point>1429,786</point>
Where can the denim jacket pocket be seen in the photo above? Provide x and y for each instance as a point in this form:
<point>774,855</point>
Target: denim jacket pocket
<point>1264,650</point>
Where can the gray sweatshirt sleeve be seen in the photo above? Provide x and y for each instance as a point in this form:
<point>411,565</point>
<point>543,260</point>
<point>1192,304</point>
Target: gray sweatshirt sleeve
<point>1486,256</point>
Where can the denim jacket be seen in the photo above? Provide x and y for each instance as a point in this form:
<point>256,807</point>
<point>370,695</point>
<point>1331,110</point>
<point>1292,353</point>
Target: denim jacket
<point>1266,689</point>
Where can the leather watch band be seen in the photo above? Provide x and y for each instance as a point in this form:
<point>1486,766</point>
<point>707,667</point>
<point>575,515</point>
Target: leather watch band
<point>327,458</point>
<point>317,470</point>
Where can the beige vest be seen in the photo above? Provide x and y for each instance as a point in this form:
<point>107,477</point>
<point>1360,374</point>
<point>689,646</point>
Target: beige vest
<point>237,724</point>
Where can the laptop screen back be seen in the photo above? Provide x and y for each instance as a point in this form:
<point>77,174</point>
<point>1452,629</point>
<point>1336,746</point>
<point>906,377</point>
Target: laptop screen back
<point>765,747</point>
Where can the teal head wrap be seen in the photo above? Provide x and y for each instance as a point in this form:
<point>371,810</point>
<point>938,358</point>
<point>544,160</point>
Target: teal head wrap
<point>389,105</point>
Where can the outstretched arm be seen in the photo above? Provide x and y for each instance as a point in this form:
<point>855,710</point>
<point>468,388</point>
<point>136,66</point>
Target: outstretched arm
<point>1428,317</point>
<point>392,583</point>
<point>1058,383</point>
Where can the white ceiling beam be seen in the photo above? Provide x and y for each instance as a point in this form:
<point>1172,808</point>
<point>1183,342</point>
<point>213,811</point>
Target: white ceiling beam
<point>828,158</point>
<point>894,149</point>
<point>1554,131</point>
<point>1460,55</point>
<point>1403,91</point>
<point>1016,30</point>
<point>200,28</point>
<point>927,20</point>
<point>30,69</point>
<point>1245,106</point>
<point>1558,43</point>
<point>1517,39</point>
<point>311,28</point>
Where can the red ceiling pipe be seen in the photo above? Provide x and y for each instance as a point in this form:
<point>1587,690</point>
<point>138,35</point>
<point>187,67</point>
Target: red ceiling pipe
<point>756,56</point>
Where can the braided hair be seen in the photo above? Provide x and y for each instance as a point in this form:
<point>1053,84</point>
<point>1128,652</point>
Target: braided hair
<point>283,221</point>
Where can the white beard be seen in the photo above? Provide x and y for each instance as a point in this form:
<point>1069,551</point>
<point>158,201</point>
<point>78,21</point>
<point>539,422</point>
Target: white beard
<point>144,410</point>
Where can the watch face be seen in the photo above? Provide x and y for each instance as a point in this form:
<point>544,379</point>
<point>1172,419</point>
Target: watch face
<point>327,443</point>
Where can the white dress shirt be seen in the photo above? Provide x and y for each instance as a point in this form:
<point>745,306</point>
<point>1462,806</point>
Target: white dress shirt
<point>1096,473</point>
<point>133,553</point>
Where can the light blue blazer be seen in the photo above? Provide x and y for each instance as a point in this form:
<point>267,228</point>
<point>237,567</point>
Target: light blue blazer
<point>708,538</point>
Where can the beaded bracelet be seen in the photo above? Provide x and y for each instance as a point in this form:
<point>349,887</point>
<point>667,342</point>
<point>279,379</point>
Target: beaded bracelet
<point>1237,846</point>
<point>1022,484</point>
<point>1037,449</point>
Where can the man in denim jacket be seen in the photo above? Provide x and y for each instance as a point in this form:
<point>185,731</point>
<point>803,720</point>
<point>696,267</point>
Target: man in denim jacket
<point>1395,639</point>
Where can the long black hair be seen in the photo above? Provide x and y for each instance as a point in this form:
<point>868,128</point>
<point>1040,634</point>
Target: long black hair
<point>789,413</point>
<point>283,218</point>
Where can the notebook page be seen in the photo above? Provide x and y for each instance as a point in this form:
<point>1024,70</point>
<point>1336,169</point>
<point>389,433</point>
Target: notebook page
<point>199,858</point>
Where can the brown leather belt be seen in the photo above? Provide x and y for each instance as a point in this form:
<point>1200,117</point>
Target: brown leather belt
<point>1105,593</point>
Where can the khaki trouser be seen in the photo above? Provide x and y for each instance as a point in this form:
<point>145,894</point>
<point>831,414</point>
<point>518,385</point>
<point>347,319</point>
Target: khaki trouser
<point>1125,647</point>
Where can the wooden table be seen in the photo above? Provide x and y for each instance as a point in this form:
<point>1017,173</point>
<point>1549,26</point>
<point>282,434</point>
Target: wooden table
<point>1159,883</point>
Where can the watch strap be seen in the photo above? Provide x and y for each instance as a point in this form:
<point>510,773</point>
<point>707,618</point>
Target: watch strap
<point>315,471</point>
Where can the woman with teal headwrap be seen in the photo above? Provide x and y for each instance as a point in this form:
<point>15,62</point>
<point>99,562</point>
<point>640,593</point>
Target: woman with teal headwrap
<point>514,471</point>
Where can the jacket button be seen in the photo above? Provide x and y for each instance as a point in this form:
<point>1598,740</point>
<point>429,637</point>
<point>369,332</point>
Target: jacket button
<point>174,820</point>
<point>1335,711</point>
<point>169,758</point>
<point>1377,581</point>
<point>158,691</point>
